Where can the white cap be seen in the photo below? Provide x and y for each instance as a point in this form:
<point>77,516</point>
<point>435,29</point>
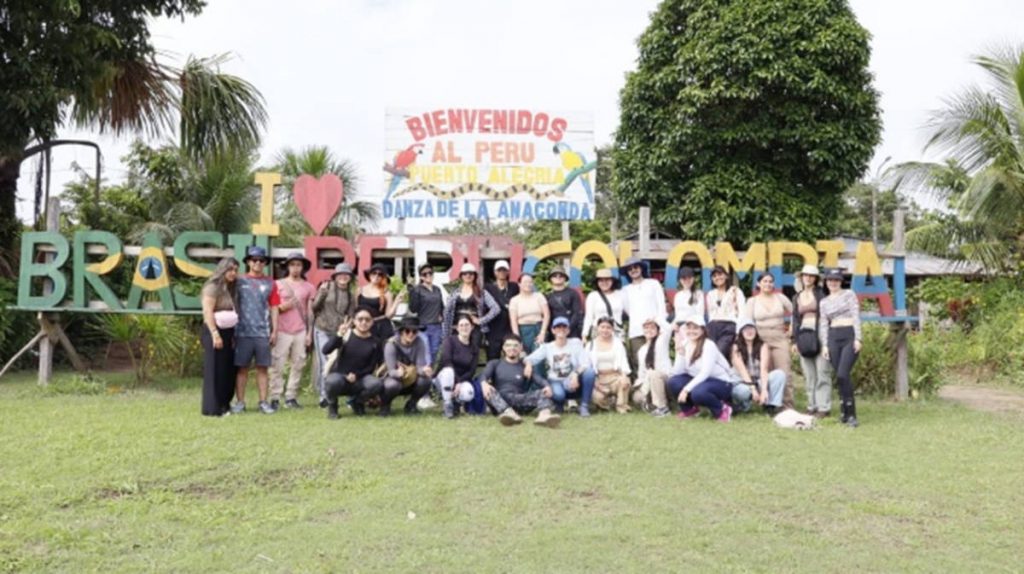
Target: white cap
<point>501,264</point>
<point>466,393</point>
<point>695,318</point>
<point>467,268</point>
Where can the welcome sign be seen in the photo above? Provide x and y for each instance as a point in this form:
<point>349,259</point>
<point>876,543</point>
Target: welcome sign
<point>482,163</point>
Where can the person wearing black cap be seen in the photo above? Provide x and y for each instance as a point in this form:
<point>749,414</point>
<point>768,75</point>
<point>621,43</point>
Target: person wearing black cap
<point>409,369</point>
<point>725,305</point>
<point>840,335</point>
<point>376,296</point>
<point>294,331</point>
<point>256,332</point>
<point>426,301</point>
<point>502,291</point>
<point>564,302</point>
<point>333,304</point>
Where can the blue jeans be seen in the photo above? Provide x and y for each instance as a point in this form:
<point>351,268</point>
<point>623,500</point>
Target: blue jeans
<point>743,396</point>
<point>432,336</point>
<point>559,393</point>
<point>530,334</point>
<point>712,393</point>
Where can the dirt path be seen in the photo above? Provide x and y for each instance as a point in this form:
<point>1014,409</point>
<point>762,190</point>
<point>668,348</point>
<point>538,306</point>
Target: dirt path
<point>985,399</point>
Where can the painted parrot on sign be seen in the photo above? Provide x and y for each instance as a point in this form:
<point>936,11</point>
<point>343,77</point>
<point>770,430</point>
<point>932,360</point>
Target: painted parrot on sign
<point>399,169</point>
<point>577,166</point>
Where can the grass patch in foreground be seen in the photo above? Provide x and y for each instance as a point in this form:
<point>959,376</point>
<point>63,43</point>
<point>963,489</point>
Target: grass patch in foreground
<point>140,481</point>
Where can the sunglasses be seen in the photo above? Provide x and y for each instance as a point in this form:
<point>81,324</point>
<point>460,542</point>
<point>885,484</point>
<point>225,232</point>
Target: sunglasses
<point>409,331</point>
<point>426,273</point>
<point>511,345</point>
<point>364,318</point>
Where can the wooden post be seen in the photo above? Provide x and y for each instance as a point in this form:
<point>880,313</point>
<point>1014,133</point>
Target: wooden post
<point>901,328</point>
<point>567,262</point>
<point>644,231</point>
<point>46,343</point>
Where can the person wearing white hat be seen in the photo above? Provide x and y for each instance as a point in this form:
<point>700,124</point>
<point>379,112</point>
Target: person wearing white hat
<point>758,381</point>
<point>502,291</point>
<point>701,376</point>
<point>768,309</point>
<point>333,304</point>
<point>653,368</point>
<point>604,301</point>
<point>294,332</point>
<point>470,300</point>
<point>806,315</point>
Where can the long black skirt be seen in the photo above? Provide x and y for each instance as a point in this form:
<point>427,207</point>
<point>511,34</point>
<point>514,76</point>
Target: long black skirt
<point>218,372</point>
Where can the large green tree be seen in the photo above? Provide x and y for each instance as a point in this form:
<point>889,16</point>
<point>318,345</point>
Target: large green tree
<point>746,121</point>
<point>980,131</point>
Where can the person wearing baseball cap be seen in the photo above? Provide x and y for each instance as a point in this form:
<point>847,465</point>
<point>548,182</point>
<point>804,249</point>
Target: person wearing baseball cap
<point>804,333</point>
<point>604,301</point>
<point>294,333</point>
<point>569,374</point>
<point>502,291</point>
<point>653,367</point>
<point>642,297</point>
<point>333,304</point>
<point>759,382</point>
<point>840,334</point>
<point>564,302</point>
<point>701,375</point>
<point>256,332</point>
<point>470,300</point>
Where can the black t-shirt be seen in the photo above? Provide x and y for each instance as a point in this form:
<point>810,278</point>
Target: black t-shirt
<point>502,296</point>
<point>358,355</point>
<point>508,377</point>
<point>566,303</point>
<point>427,304</point>
<point>461,358</point>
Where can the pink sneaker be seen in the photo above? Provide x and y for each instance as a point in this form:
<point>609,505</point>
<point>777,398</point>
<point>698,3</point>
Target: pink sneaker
<point>689,413</point>
<point>726,415</point>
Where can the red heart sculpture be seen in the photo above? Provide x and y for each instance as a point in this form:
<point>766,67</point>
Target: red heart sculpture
<point>318,200</point>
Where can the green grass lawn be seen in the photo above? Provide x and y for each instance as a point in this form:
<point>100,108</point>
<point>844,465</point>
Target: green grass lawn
<point>139,481</point>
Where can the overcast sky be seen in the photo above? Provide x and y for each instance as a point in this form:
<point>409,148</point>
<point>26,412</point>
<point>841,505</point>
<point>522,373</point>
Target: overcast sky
<point>329,68</point>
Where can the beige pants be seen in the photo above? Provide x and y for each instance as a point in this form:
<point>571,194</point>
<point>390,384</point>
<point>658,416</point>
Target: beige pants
<point>611,390</point>
<point>779,348</point>
<point>291,346</point>
<point>652,386</point>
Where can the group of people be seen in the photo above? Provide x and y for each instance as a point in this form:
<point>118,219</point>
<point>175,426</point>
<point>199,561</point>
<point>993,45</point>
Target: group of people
<point>621,348</point>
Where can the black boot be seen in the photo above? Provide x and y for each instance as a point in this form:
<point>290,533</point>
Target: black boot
<point>359,408</point>
<point>410,407</point>
<point>849,418</point>
<point>385,410</point>
<point>332,410</point>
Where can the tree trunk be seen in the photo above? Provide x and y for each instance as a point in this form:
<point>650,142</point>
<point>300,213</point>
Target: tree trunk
<point>10,226</point>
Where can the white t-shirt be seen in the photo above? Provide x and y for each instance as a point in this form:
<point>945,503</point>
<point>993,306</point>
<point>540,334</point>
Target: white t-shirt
<point>643,302</point>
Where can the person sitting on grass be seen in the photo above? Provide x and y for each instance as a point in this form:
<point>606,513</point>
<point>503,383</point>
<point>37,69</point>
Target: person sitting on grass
<point>701,376</point>
<point>653,368</point>
<point>752,361</point>
<point>568,368</point>
<point>608,356</point>
<point>409,369</point>
<point>507,388</point>
<point>350,371</point>
<point>459,357</point>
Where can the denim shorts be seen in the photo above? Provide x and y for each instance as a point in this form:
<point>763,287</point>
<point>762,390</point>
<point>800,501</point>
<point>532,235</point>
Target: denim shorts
<point>248,348</point>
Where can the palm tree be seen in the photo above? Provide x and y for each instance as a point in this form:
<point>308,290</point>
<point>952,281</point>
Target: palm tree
<point>981,133</point>
<point>355,216</point>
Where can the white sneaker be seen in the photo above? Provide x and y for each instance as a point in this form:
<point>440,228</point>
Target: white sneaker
<point>426,403</point>
<point>572,405</point>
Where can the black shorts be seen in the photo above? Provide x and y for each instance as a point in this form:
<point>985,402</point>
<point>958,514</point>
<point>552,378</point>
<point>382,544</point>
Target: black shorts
<point>249,348</point>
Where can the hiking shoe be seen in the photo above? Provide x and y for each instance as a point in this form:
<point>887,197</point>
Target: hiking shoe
<point>410,408</point>
<point>332,411</point>
<point>572,405</point>
<point>358,408</point>
<point>822,414</point>
<point>449,410</point>
<point>851,422</point>
<point>426,403</point>
<point>546,418</point>
<point>509,417</point>
<point>292,404</point>
<point>275,404</point>
<point>726,414</point>
<point>323,403</point>
<point>584,410</point>
<point>689,413</point>
<point>660,412</point>
<point>266,409</point>
<point>238,407</point>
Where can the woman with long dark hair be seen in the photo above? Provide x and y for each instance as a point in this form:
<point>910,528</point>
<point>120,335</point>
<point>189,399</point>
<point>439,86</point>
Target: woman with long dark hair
<point>725,304</point>
<point>376,297</point>
<point>333,304</point>
<point>768,310</point>
<point>840,335</point>
<point>653,368</point>
<point>218,338</point>
<point>701,376</point>
<point>689,299</point>
<point>470,300</point>
<point>529,314</point>
<point>759,381</point>
<point>817,372</point>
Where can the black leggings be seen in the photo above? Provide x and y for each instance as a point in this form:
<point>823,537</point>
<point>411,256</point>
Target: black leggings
<point>842,356</point>
<point>723,333</point>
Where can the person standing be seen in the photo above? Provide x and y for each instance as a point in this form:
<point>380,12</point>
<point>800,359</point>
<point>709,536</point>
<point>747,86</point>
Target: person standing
<point>815,367</point>
<point>409,369</point>
<point>469,300</point>
<point>256,332</point>
<point>376,296</point>
<point>725,305</point>
<point>840,334</point>
<point>529,314</point>
<point>568,368</point>
<point>768,310</point>
<point>426,301</point>
<point>643,297</point>
<point>502,291</point>
<point>350,370</point>
<point>564,302</point>
<point>295,332</point>
<point>506,384</point>
<point>333,304</point>
<point>218,338</point>
<point>604,301</point>
<point>689,299</point>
